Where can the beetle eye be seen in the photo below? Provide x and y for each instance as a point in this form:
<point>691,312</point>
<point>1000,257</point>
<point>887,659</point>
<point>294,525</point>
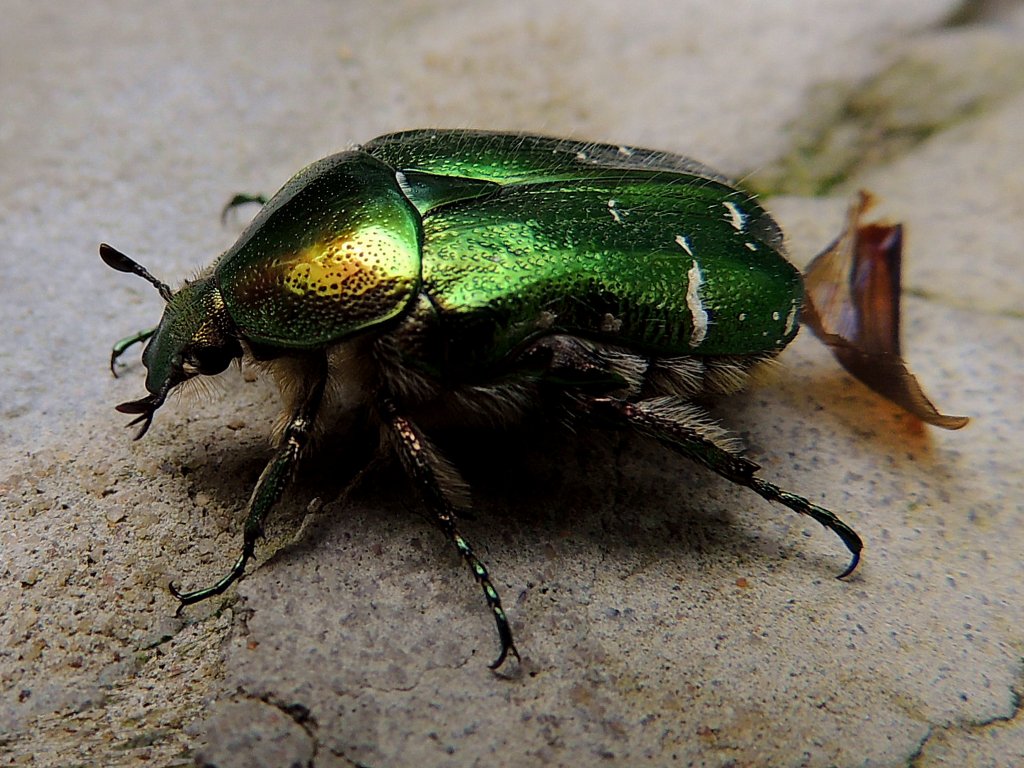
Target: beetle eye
<point>209,361</point>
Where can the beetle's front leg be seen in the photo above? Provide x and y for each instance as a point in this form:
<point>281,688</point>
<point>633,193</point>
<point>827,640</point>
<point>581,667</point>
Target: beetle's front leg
<point>274,479</point>
<point>123,344</point>
<point>237,200</point>
<point>428,470</point>
<point>685,429</point>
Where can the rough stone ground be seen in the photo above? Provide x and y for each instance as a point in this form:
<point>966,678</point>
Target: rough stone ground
<point>664,616</point>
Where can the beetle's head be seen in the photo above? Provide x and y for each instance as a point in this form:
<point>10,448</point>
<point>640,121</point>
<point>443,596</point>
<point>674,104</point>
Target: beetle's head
<point>196,337</point>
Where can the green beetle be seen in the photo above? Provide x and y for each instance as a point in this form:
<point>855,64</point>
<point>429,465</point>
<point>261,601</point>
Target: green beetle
<point>483,274</point>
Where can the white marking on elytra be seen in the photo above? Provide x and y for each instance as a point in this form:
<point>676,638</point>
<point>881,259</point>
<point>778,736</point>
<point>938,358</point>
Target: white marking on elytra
<point>743,316</point>
<point>775,316</point>
<point>581,156</point>
<point>791,319</point>
<point>626,151</point>
<point>736,217</point>
<point>403,184</point>
<point>699,315</point>
<point>684,242</point>
<point>751,246</point>
<point>614,211</point>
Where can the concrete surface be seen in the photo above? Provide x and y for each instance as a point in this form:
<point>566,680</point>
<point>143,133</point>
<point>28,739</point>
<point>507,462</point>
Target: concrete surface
<point>665,617</point>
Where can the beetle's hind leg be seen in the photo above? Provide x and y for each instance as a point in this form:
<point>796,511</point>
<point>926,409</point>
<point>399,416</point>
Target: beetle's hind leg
<point>437,481</point>
<point>275,478</point>
<point>687,429</point>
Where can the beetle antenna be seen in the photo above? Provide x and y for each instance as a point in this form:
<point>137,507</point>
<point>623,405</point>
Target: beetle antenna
<point>114,259</point>
<point>145,408</point>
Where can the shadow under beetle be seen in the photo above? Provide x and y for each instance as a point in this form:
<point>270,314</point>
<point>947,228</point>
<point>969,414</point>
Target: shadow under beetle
<point>484,274</point>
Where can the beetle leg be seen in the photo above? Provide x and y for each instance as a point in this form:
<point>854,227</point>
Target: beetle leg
<point>275,478</point>
<point>122,346</point>
<point>428,470</point>
<point>657,419</point>
<point>237,200</point>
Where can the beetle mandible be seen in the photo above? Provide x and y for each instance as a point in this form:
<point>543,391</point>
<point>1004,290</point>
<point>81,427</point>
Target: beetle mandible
<point>486,274</point>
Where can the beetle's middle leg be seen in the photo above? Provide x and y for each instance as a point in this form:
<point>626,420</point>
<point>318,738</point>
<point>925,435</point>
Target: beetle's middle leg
<point>431,473</point>
<point>686,429</point>
<point>275,478</point>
